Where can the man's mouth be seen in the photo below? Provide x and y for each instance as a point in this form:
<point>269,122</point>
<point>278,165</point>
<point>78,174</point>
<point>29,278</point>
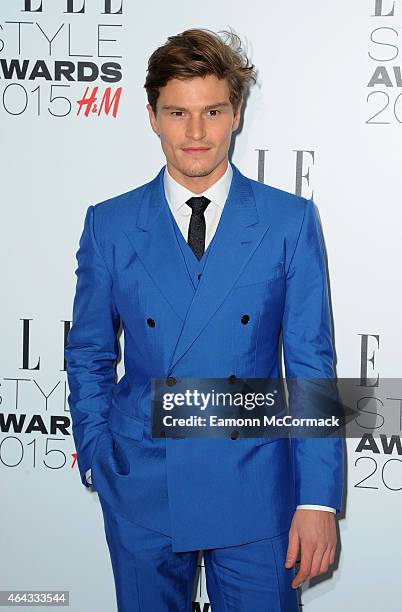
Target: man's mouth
<point>195,149</point>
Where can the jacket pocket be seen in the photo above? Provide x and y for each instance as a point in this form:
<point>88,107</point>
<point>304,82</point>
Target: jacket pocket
<point>260,441</point>
<point>254,275</point>
<point>126,425</point>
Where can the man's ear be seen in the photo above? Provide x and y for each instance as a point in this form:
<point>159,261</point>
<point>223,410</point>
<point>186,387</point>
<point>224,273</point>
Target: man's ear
<point>152,119</point>
<point>237,116</point>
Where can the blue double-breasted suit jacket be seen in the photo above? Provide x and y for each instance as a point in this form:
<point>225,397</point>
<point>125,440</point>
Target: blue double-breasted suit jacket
<point>266,260</point>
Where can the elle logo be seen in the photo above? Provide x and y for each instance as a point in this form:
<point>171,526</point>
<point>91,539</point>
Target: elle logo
<point>384,8</point>
<point>75,7</point>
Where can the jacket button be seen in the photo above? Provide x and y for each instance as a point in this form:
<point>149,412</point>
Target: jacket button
<point>199,276</point>
<point>170,381</point>
<point>245,319</point>
<point>151,322</point>
<point>232,378</point>
<point>234,434</point>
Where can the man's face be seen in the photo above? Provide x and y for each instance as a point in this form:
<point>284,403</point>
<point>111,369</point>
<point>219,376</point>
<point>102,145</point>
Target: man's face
<point>195,121</point>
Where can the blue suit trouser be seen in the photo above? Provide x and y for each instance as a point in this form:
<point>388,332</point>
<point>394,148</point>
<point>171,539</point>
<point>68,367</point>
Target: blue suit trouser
<point>149,577</point>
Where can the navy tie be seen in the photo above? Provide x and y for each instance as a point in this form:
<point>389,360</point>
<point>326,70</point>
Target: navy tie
<point>196,230</point>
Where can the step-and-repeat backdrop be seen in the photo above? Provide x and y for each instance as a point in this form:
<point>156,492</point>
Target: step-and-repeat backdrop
<point>324,121</point>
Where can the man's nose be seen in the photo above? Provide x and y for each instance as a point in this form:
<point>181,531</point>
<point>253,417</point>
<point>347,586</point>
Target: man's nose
<point>195,128</point>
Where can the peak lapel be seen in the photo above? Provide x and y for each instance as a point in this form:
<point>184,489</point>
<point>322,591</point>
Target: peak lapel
<point>155,243</point>
<point>238,234</point>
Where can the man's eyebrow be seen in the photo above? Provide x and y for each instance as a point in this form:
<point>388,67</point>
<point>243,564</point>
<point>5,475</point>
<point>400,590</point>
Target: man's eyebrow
<point>208,107</point>
<point>217,105</point>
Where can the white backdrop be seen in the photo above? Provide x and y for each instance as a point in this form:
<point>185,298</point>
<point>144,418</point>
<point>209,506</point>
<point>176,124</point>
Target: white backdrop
<point>327,111</point>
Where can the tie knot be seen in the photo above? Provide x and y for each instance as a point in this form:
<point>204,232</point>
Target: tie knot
<point>198,204</point>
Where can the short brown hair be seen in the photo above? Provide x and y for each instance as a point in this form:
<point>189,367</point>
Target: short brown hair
<point>198,53</point>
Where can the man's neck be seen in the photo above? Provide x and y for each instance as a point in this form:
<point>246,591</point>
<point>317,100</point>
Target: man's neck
<point>198,184</point>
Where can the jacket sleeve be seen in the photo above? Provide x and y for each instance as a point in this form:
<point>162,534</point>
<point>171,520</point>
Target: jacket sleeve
<point>308,354</point>
<point>92,347</point>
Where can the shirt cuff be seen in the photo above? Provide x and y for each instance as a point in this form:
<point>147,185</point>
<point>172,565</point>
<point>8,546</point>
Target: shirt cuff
<point>88,476</point>
<point>315,507</point>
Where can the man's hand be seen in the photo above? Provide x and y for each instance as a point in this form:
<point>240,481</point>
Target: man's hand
<point>315,532</point>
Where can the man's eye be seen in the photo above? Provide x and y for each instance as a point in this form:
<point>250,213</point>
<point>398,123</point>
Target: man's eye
<point>214,112</point>
<point>177,113</point>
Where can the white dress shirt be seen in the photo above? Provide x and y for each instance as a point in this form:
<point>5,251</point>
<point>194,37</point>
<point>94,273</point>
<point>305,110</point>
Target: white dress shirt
<point>176,196</point>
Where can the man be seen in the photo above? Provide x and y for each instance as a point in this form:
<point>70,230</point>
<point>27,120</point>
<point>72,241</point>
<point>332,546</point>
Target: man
<point>203,268</point>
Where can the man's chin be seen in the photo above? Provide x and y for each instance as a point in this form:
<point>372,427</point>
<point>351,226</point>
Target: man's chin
<point>196,170</point>
<point>196,173</point>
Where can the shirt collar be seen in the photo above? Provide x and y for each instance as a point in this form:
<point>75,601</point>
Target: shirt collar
<point>177,195</point>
